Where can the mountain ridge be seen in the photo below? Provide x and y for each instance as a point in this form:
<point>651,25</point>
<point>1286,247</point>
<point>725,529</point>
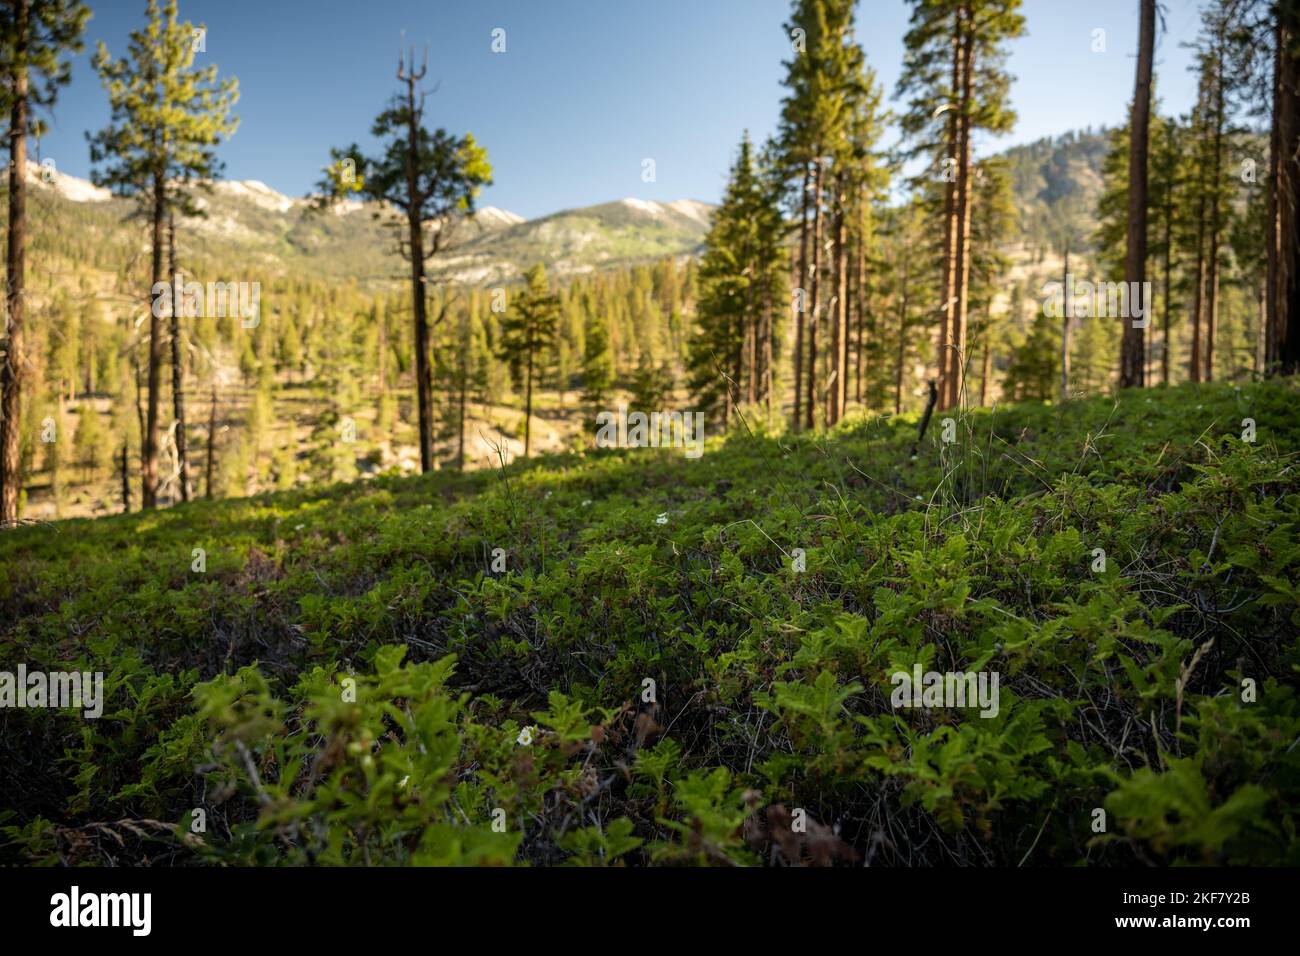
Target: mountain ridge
<point>247,219</point>
<point>261,229</point>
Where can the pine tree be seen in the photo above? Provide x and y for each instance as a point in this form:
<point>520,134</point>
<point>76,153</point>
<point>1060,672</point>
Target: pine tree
<point>568,346</point>
<point>812,126</point>
<point>177,349</point>
<point>871,176</point>
<point>955,84</point>
<point>1170,222</point>
<point>432,179</point>
<point>597,363</point>
<point>772,265</point>
<point>861,181</point>
<point>1214,109</point>
<point>1111,237</point>
<point>1197,216</point>
<point>167,117</point>
<point>1034,369</point>
<point>88,442</point>
<point>740,275</point>
<point>908,289</point>
<point>461,372</point>
<point>650,385</point>
<point>992,218</point>
<point>1166,186</point>
<point>1283,292</point>
<point>1133,350</point>
<point>36,36</point>
<point>527,334</point>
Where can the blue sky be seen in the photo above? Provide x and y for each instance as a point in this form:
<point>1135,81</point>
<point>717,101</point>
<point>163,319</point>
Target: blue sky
<point>586,88</point>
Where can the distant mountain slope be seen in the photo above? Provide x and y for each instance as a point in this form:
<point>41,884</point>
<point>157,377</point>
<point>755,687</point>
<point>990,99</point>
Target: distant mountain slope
<point>248,222</point>
<point>251,226</point>
<point>1056,176</point>
<point>583,240</point>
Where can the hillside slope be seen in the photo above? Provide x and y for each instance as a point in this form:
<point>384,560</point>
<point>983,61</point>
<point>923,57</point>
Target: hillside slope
<point>247,225</point>
<point>267,233</point>
<point>677,661</point>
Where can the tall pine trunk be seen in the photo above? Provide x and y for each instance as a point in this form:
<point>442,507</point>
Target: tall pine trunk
<point>1272,283</point>
<point>838,393</point>
<point>1288,115</point>
<point>842,268</point>
<point>423,372</point>
<point>126,483</point>
<point>1169,249</point>
<point>1133,345</point>
<point>1198,297</point>
<point>1216,172</point>
<point>528,404</point>
<point>178,372</point>
<point>752,333</point>
<point>902,340</point>
<point>149,441</point>
<point>802,298</point>
<point>860,310</point>
<point>961,273</point>
<point>11,371</point>
<point>739,349</point>
<point>813,304</point>
<point>1066,309</point>
<point>1199,121</point>
<point>768,306</point>
<point>948,287</point>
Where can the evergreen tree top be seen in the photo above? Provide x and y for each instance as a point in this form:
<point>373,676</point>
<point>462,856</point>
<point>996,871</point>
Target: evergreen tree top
<point>167,114</point>
<point>54,28</point>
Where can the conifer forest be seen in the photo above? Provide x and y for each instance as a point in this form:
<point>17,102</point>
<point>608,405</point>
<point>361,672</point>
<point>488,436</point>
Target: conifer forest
<point>903,473</point>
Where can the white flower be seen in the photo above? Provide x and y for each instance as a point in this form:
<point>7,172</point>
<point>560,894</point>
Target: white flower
<point>585,502</point>
<point>662,519</point>
<point>404,781</point>
<point>299,527</point>
<point>525,737</point>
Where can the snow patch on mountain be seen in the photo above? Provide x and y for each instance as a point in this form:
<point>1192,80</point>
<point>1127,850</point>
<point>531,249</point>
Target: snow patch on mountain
<point>644,206</point>
<point>491,215</point>
<point>69,187</point>
<point>701,212</point>
<point>256,192</point>
<point>691,209</point>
